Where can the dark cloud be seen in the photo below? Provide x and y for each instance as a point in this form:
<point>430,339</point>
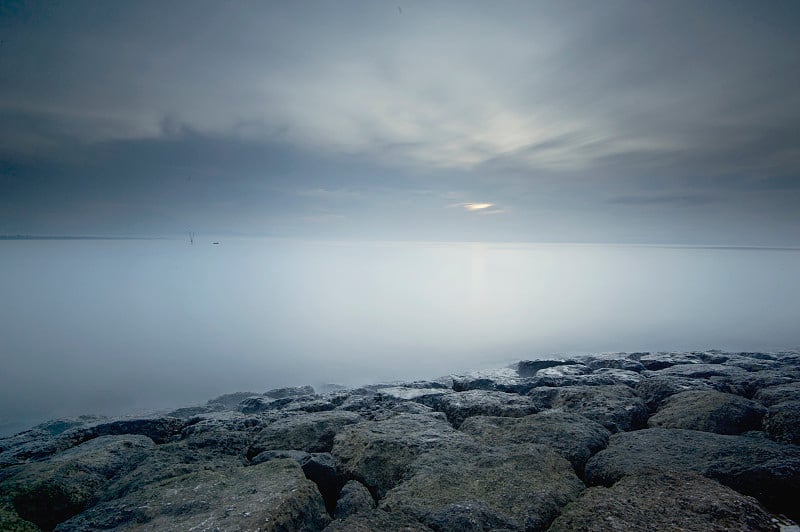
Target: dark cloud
<point>348,120</point>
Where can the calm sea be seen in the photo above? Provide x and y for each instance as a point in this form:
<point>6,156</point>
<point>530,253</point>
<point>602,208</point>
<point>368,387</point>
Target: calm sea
<point>113,326</point>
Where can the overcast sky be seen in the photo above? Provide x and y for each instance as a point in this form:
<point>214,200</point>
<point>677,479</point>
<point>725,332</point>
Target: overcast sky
<point>646,122</point>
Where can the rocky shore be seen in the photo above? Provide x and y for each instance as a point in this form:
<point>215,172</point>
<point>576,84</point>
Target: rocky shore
<point>625,441</point>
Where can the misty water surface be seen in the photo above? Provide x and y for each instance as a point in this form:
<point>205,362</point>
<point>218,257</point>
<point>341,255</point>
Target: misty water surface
<point>120,326</point>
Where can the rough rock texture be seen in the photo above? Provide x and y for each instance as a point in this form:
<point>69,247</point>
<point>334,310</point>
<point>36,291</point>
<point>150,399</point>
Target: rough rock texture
<point>459,406</point>
<point>573,436</point>
<point>49,492</point>
<point>709,411</point>
<point>354,498</point>
<point>615,407</point>
<point>513,489</point>
<point>377,521</point>
<point>271,496</point>
<point>312,432</point>
<point>763,469</point>
<point>782,422</point>
<point>664,501</point>
<point>380,454</point>
<point>387,456</point>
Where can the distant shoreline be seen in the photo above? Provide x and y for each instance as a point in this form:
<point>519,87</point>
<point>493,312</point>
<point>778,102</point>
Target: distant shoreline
<point>52,237</point>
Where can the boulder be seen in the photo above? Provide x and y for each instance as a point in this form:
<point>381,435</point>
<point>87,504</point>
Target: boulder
<point>297,391</point>
<point>227,432</point>
<point>656,361</point>
<point>272,496</point>
<point>54,490</point>
<point>709,411</point>
<point>778,394</point>
<point>653,390</point>
<point>512,488</point>
<point>664,501</point>
<point>700,371</point>
<point>613,361</point>
<point>458,406</point>
<point>529,368</point>
<point>573,436</point>
<point>159,429</point>
<point>354,498</point>
<point>782,422</point>
<point>379,454</point>
<point>501,380</point>
<point>310,432</point>
<point>616,407</point>
<point>760,468</point>
<point>319,468</point>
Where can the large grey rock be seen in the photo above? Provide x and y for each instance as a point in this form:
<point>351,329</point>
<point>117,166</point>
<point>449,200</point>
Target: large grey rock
<point>615,407</point>
<point>700,371</point>
<point>273,496</point>
<point>380,454</point>
<point>613,361</point>
<point>311,432</point>
<point>54,490</point>
<point>778,394</point>
<point>709,411</point>
<point>160,429</point>
<point>657,361</point>
<point>319,468</point>
<point>225,432</point>
<point>458,406</point>
<point>529,368</point>
<point>573,436</point>
<point>761,468</point>
<point>501,380</point>
<point>376,521</point>
<point>782,422</point>
<point>514,488</point>
<point>297,391</point>
<point>654,390</point>
<point>354,498</point>
<point>664,501</point>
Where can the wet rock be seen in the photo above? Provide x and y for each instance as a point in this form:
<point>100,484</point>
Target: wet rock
<point>613,361</point>
<point>573,436</point>
<point>273,496</point>
<point>501,380</point>
<point>760,468</point>
<point>158,429</point>
<point>319,468</point>
<point>657,361</point>
<point>354,498</point>
<point>52,491</point>
<point>664,501</point>
<point>311,432</point>
<point>297,391</point>
<point>376,521</point>
<point>405,393</point>
<point>654,390</point>
<point>782,422</point>
<point>227,433</point>
<point>492,489</point>
<point>778,394</point>
<point>380,454</point>
<point>709,411</point>
<point>700,371</point>
<point>458,406</point>
<point>529,368</point>
<point>615,407</point>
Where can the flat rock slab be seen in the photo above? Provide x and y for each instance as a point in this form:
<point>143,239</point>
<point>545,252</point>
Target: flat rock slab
<point>777,394</point>
<point>492,489</point>
<point>616,407</point>
<point>573,436</point>
<point>654,390</point>
<point>758,467</point>
<point>664,501</point>
<point>273,496</point>
<point>354,498</point>
<point>709,411</point>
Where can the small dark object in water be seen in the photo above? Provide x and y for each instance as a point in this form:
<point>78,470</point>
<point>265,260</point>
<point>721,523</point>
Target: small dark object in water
<point>215,243</point>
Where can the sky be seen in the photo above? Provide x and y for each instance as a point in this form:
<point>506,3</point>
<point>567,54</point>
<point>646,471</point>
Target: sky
<point>631,122</point>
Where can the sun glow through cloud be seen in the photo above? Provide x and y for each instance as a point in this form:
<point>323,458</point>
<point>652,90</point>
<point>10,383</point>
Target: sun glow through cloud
<point>477,206</point>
